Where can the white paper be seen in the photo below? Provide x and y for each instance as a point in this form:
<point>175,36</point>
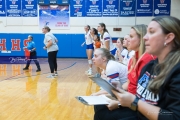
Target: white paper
<point>95,100</point>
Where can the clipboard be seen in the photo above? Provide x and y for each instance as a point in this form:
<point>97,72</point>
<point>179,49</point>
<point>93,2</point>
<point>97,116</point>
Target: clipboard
<point>104,84</point>
<point>93,100</point>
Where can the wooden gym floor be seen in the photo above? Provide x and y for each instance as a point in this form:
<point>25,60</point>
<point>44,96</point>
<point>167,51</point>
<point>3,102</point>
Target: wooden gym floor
<point>27,95</point>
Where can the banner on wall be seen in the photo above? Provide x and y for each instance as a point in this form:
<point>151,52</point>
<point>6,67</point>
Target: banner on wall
<point>29,8</point>
<point>162,7</point>
<point>144,8</point>
<point>110,8</point>
<point>127,8</point>
<point>13,8</point>
<point>54,16</point>
<point>93,8</point>
<point>77,8</point>
<point>2,8</point>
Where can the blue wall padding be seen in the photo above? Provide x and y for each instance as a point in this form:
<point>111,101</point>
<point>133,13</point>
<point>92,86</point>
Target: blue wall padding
<point>69,44</point>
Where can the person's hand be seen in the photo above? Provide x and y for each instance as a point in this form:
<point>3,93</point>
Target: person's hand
<point>125,98</point>
<point>82,45</point>
<point>95,94</point>
<point>24,47</point>
<point>116,84</point>
<point>113,104</point>
<point>44,48</point>
<point>29,50</point>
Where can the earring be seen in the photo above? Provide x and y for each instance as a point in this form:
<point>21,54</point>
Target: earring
<point>165,44</point>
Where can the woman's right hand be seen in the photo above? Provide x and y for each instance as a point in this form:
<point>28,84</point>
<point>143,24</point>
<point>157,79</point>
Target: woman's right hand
<point>113,104</point>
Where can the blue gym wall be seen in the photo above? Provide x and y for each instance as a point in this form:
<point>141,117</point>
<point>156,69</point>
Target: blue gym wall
<point>69,45</point>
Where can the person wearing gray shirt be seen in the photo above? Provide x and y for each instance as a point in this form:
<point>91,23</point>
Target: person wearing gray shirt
<point>51,46</point>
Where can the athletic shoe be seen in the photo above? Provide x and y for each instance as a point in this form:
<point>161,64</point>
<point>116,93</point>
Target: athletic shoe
<point>87,72</point>
<point>25,68</point>
<point>38,70</point>
<point>50,76</point>
<point>55,74</point>
<point>90,72</point>
<point>97,75</point>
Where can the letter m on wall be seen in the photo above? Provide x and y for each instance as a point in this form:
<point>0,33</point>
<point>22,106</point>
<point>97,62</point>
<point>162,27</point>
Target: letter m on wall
<point>15,45</point>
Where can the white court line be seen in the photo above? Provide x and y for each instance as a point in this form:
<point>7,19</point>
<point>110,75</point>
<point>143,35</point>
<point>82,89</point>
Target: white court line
<point>5,51</point>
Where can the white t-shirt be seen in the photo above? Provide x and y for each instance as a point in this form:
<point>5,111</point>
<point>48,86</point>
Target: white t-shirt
<point>127,57</point>
<point>49,36</point>
<point>124,52</point>
<point>116,71</point>
<point>88,38</point>
<point>107,37</point>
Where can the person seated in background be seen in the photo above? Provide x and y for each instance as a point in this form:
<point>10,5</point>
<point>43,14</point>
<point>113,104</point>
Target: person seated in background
<point>136,63</point>
<point>121,51</point>
<point>97,44</point>
<point>130,53</point>
<point>157,96</point>
<point>139,60</point>
<point>113,71</point>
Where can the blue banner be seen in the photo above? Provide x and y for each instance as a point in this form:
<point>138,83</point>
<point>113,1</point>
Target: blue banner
<point>13,8</point>
<point>2,8</point>
<point>56,17</point>
<point>29,8</point>
<point>94,8</point>
<point>110,8</point>
<point>144,8</point>
<point>162,7</point>
<point>127,8</point>
<point>77,8</point>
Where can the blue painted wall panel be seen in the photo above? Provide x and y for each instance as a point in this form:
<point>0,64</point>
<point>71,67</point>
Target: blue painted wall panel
<point>69,44</point>
<point>77,50</point>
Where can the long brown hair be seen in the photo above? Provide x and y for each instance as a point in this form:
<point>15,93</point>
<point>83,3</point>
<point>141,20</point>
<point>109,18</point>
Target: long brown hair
<point>140,31</point>
<point>104,30</point>
<point>168,25</point>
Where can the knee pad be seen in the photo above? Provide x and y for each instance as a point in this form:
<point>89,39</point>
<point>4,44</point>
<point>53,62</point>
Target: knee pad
<point>90,61</point>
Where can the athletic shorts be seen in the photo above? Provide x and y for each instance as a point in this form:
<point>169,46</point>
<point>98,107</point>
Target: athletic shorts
<point>90,46</point>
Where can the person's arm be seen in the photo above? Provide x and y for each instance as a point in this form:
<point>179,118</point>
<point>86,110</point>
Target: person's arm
<point>107,39</point>
<point>107,44</point>
<point>125,85</point>
<point>171,102</point>
<point>83,44</point>
<point>56,40</point>
<point>126,98</point>
<point>49,44</point>
<point>113,104</point>
<point>101,92</point>
<point>34,47</point>
<point>49,39</point>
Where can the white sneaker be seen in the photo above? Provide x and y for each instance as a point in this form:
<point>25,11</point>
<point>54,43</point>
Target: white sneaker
<point>50,76</point>
<point>97,75</point>
<point>87,71</point>
<point>55,74</point>
<point>90,72</point>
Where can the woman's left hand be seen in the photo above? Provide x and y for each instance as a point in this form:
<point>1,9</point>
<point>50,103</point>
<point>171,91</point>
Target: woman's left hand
<point>125,98</point>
